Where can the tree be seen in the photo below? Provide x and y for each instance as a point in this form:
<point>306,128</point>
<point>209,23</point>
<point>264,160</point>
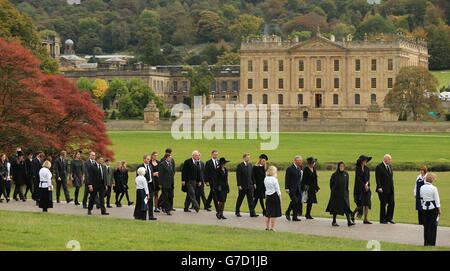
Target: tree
<point>209,26</point>
<point>229,58</point>
<point>341,30</point>
<point>374,24</point>
<point>439,47</point>
<point>44,111</point>
<point>414,94</point>
<point>245,26</point>
<point>85,84</point>
<point>149,38</point>
<point>100,87</point>
<point>308,22</point>
<point>200,79</point>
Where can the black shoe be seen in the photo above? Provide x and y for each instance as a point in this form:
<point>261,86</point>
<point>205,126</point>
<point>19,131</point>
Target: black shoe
<point>7,200</point>
<point>24,199</point>
<point>367,222</point>
<point>221,216</point>
<point>118,205</point>
<point>57,201</point>
<point>218,216</point>
<point>383,222</point>
<point>157,210</point>
<point>187,210</point>
<point>69,200</point>
<point>208,209</point>
<point>98,207</point>
<point>288,217</point>
<point>105,213</point>
<point>16,199</point>
<point>152,218</point>
<point>77,203</point>
<point>168,213</point>
<point>130,203</point>
<point>352,217</point>
<point>173,210</point>
<point>391,221</point>
<point>309,217</point>
<point>334,224</point>
<point>350,224</point>
<point>89,212</point>
<point>296,219</point>
<point>254,215</point>
<point>238,214</point>
<point>197,210</point>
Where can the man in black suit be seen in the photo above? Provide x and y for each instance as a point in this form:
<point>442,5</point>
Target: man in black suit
<point>293,179</point>
<point>166,179</point>
<point>246,185</point>
<point>61,176</point>
<point>86,168</point>
<point>168,151</point>
<point>151,189</point>
<point>97,185</point>
<point>190,177</point>
<point>211,177</point>
<point>37,165</point>
<point>385,189</point>
<point>200,187</point>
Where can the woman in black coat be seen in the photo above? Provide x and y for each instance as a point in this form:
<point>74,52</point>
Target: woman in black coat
<point>121,183</point>
<point>221,187</point>
<point>310,185</point>
<point>259,174</point>
<point>339,203</point>
<point>19,176</point>
<point>361,192</point>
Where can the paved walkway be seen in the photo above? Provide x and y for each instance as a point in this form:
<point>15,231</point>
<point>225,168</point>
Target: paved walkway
<point>398,233</point>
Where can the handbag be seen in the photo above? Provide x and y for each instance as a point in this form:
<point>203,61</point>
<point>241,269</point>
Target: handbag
<point>305,194</point>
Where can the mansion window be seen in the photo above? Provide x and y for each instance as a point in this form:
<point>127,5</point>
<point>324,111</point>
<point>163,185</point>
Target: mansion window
<point>318,65</point>
<point>373,99</point>
<point>175,85</point>
<point>373,83</point>
<point>301,65</point>
<point>174,98</point>
<point>213,86</point>
<point>300,99</point>
<point>265,65</point>
<point>264,98</point>
<point>336,65</point>
<point>280,83</point>
<point>390,64</point>
<point>374,65</point>
<point>185,86</point>
<point>390,82</point>
<point>250,66</point>
<point>336,82</point>
<point>357,99</point>
<point>318,83</point>
<point>280,98</point>
<point>280,65</point>
<point>249,99</point>
<point>357,65</point>
<point>335,99</point>
<point>223,86</point>
<point>265,83</point>
<point>301,83</point>
<point>357,82</point>
<point>235,85</point>
<point>250,84</point>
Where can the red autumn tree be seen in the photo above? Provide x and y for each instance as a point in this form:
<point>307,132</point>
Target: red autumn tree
<point>44,112</point>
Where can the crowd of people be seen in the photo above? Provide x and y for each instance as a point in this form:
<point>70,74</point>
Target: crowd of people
<point>155,183</point>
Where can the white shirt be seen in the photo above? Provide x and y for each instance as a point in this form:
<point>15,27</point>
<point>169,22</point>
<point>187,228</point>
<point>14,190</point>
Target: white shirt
<point>141,183</point>
<point>272,185</point>
<point>419,178</point>
<point>429,192</point>
<point>8,167</point>
<point>45,178</point>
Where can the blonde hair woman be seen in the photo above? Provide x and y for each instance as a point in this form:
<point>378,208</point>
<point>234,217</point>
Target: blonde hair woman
<point>45,186</point>
<point>273,198</point>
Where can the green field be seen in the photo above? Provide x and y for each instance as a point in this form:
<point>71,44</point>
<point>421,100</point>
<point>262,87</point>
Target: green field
<point>95,233</point>
<point>443,77</point>
<point>327,147</point>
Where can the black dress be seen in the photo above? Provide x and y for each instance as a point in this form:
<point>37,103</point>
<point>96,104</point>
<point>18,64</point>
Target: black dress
<point>259,173</point>
<point>221,185</point>
<point>19,173</point>
<point>140,209</point>
<point>339,203</point>
<point>45,198</point>
<point>361,196</point>
<point>77,172</point>
<point>309,183</point>
<point>273,205</point>
<point>120,180</point>
<point>155,178</point>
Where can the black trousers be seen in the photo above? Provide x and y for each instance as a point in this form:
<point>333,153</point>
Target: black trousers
<point>108,195</point>
<point>85,195</point>
<point>243,193</point>
<point>2,188</point>
<point>167,199</point>
<point>295,204</point>
<point>200,195</point>
<point>62,183</point>
<point>151,193</point>
<point>212,198</point>
<point>18,191</point>
<point>387,205</point>
<point>430,227</point>
<point>29,187</point>
<point>190,196</point>
<point>420,216</point>
<point>77,192</point>
<point>35,195</point>
<point>97,193</point>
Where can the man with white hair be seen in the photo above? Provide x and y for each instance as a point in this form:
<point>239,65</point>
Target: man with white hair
<point>190,176</point>
<point>385,189</point>
<point>293,179</point>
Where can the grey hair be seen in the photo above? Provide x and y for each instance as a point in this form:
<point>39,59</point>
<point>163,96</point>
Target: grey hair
<point>298,157</point>
<point>141,171</point>
<point>195,152</point>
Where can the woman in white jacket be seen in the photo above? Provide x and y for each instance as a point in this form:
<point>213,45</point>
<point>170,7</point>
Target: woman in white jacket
<point>45,186</point>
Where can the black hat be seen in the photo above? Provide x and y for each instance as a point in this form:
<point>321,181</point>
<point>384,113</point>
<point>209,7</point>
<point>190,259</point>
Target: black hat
<point>19,153</point>
<point>223,161</point>
<point>362,158</point>
<point>311,160</point>
<point>263,156</point>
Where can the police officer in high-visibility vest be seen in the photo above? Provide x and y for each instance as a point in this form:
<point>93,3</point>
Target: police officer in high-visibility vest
<point>431,206</point>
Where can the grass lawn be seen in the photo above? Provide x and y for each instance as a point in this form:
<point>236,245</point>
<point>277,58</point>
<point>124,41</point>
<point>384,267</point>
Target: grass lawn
<point>443,77</point>
<point>121,234</point>
<point>327,147</point>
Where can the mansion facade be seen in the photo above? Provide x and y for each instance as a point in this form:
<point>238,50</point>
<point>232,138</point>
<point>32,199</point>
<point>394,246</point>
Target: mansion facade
<point>316,79</point>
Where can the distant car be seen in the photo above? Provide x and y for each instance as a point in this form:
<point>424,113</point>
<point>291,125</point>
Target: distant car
<point>444,96</point>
